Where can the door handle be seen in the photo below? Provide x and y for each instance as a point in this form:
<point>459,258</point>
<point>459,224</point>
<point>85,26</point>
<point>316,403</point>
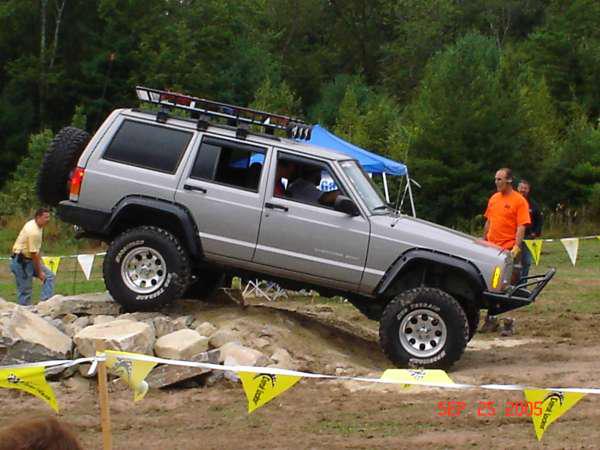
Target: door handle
<point>189,187</point>
<point>274,206</point>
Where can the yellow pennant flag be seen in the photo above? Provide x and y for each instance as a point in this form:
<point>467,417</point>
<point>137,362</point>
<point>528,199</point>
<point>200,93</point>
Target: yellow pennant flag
<point>131,371</point>
<point>261,388</point>
<point>31,380</point>
<point>547,406</point>
<point>535,247</point>
<point>51,262</point>
<point>418,376</point>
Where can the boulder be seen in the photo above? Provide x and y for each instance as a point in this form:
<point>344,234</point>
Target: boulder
<point>71,329</point>
<point>183,322</point>
<point>103,319</point>
<point>88,304</point>
<point>283,359</point>
<point>222,337</point>
<point>33,339</point>
<point>68,318</point>
<point>123,335</point>
<point>163,326</point>
<point>6,306</point>
<point>236,354</point>
<point>167,375</point>
<point>181,344</point>
<point>206,329</point>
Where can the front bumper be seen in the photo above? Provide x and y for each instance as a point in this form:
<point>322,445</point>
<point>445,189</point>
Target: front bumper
<point>523,294</point>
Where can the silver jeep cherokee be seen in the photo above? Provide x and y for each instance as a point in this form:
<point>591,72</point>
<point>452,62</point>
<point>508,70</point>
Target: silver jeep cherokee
<point>185,201</point>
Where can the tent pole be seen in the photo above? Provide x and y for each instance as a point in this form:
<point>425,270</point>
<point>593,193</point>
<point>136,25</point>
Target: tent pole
<point>385,188</point>
<point>410,195</point>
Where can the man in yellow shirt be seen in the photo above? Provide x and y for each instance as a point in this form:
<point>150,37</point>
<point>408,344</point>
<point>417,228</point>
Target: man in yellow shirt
<point>26,261</point>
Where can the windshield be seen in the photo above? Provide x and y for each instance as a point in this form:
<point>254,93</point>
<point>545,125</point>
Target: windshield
<point>367,191</point>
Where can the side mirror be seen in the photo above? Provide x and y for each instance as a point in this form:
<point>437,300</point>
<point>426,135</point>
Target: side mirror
<point>346,205</point>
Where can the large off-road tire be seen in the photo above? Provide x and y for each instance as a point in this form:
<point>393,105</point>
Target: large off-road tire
<point>59,161</point>
<point>205,283</point>
<point>145,268</point>
<point>423,327</point>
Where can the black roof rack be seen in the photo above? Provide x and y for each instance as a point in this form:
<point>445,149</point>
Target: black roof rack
<point>241,117</point>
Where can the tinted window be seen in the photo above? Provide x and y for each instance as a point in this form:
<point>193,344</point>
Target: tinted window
<point>229,163</point>
<point>305,180</point>
<point>148,146</point>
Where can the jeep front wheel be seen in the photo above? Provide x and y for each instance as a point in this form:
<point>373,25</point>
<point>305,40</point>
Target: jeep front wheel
<point>423,327</point>
<point>146,268</point>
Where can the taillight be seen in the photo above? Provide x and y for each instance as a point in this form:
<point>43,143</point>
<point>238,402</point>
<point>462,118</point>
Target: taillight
<point>76,180</point>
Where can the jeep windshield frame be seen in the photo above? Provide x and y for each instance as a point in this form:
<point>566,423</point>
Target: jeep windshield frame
<point>364,186</point>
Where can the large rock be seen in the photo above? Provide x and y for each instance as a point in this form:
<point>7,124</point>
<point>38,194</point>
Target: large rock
<point>206,329</point>
<point>6,306</point>
<point>167,375</point>
<point>123,335</point>
<point>283,360</point>
<point>221,337</point>
<point>181,344</point>
<point>164,325</point>
<point>88,304</point>
<point>71,329</point>
<point>236,354</point>
<point>103,319</point>
<point>33,339</point>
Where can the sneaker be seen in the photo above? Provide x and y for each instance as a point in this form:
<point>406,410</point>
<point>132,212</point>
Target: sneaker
<point>508,327</point>
<point>490,325</point>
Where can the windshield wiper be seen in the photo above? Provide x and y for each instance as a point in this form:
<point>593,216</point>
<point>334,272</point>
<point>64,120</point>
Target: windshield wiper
<point>381,207</point>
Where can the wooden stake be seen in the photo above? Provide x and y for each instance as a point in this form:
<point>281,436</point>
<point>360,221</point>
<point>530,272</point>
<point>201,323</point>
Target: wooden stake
<point>103,396</point>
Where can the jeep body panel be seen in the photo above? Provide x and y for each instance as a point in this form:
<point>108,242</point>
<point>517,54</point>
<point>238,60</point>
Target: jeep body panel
<point>311,239</point>
<point>227,217</point>
<point>394,236</point>
<point>117,180</point>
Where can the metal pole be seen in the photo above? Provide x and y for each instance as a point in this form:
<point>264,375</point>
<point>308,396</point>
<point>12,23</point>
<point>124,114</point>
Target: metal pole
<point>385,188</point>
<point>410,196</point>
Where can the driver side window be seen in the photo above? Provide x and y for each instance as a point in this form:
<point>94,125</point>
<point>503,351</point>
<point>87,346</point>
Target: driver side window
<point>305,180</point>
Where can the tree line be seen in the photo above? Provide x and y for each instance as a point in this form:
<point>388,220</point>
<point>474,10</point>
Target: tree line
<point>455,89</point>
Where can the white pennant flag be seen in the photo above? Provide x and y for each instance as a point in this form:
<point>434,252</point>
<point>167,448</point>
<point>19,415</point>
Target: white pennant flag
<point>571,246</point>
<point>86,262</point>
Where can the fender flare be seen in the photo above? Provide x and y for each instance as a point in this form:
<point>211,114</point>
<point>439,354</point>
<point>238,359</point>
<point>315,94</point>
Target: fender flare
<point>411,256</point>
<point>178,212</point>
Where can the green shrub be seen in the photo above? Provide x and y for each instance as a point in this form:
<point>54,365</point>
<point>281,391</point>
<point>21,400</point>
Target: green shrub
<point>19,194</point>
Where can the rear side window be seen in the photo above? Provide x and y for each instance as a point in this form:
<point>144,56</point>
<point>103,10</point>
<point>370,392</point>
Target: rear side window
<point>230,163</point>
<point>149,146</point>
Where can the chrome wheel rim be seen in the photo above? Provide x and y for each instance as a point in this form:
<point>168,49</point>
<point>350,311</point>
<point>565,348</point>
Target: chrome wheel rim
<point>143,270</point>
<point>422,333</point>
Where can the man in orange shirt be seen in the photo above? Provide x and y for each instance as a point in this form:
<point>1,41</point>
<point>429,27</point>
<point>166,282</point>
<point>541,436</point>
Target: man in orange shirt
<point>507,217</point>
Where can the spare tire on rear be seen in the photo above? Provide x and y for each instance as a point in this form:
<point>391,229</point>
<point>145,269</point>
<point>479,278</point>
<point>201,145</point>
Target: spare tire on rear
<point>59,161</point>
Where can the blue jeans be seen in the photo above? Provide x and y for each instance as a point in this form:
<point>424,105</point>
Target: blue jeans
<point>526,259</point>
<point>24,277</point>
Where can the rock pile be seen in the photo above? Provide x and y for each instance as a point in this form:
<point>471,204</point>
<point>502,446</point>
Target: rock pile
<point>71,327</point>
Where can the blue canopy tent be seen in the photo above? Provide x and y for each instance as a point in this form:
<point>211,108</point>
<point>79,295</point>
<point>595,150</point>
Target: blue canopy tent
<point>371,162</point>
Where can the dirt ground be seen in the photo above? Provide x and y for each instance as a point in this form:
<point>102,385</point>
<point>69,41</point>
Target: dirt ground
<point>556,345</point>
<point>344,414</point>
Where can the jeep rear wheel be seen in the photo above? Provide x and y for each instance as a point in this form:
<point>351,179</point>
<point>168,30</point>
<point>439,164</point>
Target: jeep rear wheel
<point>58,163</point>
<point>146,268</point>
<point>423,327</point>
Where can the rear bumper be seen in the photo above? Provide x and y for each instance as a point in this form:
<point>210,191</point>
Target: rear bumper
<point>522,294</point>
<point>90,220</point>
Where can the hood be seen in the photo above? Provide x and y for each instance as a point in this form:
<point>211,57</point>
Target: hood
<point>410,232</point>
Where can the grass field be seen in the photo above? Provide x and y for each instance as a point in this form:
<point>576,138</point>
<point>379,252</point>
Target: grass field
<point>70,278</point>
